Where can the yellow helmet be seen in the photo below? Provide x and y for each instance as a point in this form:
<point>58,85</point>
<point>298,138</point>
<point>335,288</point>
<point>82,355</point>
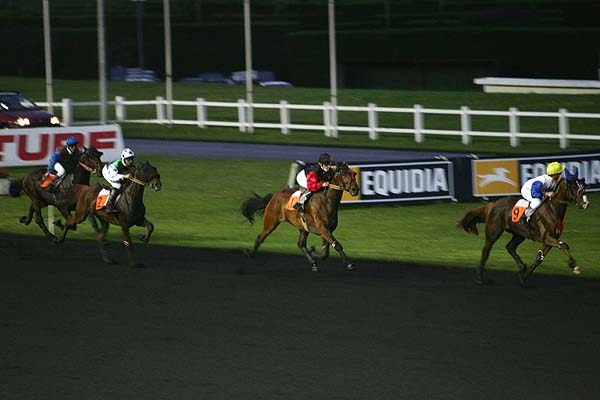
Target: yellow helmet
<point>554,168</point>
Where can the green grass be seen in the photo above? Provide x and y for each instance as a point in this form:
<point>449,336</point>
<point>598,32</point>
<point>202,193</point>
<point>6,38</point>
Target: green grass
<point>199,206</point>
<point>88,91</point>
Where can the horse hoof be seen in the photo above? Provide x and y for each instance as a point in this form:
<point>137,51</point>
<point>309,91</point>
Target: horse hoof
<point>350,267</point>
<point>248,253</point>
<point>576,270</point>
<point>314,268</point>
<point>143,238</point>
<point>23,220</point>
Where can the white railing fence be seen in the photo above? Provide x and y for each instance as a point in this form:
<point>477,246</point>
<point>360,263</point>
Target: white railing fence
<point>246,123</point>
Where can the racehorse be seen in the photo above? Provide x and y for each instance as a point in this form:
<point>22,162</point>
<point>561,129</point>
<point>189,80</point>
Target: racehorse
<point>130,205</point>
<point>89,163</point>
<point>320,216</point>
<point>545,225</point>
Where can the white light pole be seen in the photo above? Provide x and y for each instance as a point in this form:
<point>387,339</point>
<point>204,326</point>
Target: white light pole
<point>168,64</point>
<point>101,60</point>
<point>48,56</point>
<point>248,51</point>
<point>332,69</point>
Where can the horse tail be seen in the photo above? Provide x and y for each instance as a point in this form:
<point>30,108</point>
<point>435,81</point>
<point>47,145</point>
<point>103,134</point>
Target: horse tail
<point>255,204</point>
<point>472,218</point>
<point>15,187</point>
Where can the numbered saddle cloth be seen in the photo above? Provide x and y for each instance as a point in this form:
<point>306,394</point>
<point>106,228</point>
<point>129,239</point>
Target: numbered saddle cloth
<point>519,209</point>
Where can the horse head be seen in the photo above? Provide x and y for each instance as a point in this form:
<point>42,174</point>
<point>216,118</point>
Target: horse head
<point>147,175</point>
<point>575,189</point>
<point>91,160</point>
<point>345,178</point>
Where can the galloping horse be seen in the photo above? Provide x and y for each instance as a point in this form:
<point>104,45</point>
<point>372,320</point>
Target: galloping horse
<point>545,226</point>
<point>320,216</point>
<point>129,203</point>
<point>89,163</point>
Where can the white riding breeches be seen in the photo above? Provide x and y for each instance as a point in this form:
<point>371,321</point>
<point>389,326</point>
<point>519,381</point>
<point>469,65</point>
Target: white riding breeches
<point>108,175</point>
<point>301,179</point>
<point>60,170</point>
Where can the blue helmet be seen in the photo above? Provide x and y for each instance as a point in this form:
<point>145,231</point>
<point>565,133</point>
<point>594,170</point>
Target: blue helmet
<point>72,141</point>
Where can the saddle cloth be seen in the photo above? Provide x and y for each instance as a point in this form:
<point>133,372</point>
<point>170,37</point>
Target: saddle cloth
<point>102,198</point>
<point>47,180</point>
<point>293,200</point>
<point>519,209</point>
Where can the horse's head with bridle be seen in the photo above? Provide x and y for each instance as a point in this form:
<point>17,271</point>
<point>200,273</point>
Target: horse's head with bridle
<point>574,189</point>
<point>344,179</point>
<point>90,160</point>
<point>146,175</point>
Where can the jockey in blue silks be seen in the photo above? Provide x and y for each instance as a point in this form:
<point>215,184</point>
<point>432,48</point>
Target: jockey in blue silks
<point>535,190</point>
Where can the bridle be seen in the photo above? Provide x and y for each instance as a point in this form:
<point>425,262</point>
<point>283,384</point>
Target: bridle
<point>342,187</point>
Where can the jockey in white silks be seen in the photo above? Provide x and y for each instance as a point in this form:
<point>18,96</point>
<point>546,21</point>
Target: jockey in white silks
<point>535,190</point>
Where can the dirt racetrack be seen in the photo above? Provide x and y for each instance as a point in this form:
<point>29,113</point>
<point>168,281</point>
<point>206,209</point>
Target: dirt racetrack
<point>203,324</point>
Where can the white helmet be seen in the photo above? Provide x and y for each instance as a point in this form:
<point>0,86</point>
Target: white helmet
<point>127,153</point>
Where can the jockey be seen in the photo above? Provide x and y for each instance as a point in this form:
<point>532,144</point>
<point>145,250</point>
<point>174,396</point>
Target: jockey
<point>313,178</point>
<point>115,172</point>
<point>535,190</point>
<point>63,160</point>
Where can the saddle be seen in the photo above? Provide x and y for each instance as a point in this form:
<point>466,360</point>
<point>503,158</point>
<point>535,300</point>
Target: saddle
<point>293,200</point>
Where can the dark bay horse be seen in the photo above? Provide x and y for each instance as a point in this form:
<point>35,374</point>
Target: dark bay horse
<point>130,205</point>
<point>89,163</point>
<point>545,226</point>
<point>320,216</point>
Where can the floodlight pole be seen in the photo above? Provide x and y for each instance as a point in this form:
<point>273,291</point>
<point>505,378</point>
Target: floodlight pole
<point>48,56</point>
<point>249,75</point>
<point>101,61</point>
<point>168,63</point>
<point>332,70</point>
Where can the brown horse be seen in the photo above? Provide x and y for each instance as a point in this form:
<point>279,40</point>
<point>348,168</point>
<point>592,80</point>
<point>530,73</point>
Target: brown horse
<point>130,205</point>
<point>320,216</point>
<point>89,163</point>
<point>545,226</point>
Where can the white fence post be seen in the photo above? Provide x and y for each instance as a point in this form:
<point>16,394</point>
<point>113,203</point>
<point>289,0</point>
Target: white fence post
<point>120,111</point>
<point>465,124</point>
<point>563,126</point>
<point>67,112</point>
<point>419,123</point>
<point>242,115</point>
<point>334,121</point>
<point>514,126</point>
<point>284,115</point>
<point>326,119</point>
<point>373,122</point>
<point>160,109</point>
<point>200,112</point>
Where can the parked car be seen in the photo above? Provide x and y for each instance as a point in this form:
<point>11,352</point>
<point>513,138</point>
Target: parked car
<point>18,111</point>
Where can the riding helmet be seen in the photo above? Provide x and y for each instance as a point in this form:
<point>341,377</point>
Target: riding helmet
<point>554,168</point>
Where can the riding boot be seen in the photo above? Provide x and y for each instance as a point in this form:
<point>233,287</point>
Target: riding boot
<point>303,197</point>
<point>110,203</point>
<point>54,185</point>
<point>527,216</point>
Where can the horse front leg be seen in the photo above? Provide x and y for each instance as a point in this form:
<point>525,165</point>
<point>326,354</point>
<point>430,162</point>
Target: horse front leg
<point>130,253</point>
<point>39,219</point>
<point>307,253</point>
<point>331,240</point>
<point>539,257</point>
<point>100,241</point>
<point>324,254</point>
<point>149,229</point>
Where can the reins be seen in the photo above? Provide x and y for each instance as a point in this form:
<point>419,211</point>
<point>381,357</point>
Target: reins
<point>87,168</point>
<point>135,180</point>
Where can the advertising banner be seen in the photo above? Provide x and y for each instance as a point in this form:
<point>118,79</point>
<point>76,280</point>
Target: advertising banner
<point>505,176</point>
<point>21,147</point>
<point>403,182</point>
